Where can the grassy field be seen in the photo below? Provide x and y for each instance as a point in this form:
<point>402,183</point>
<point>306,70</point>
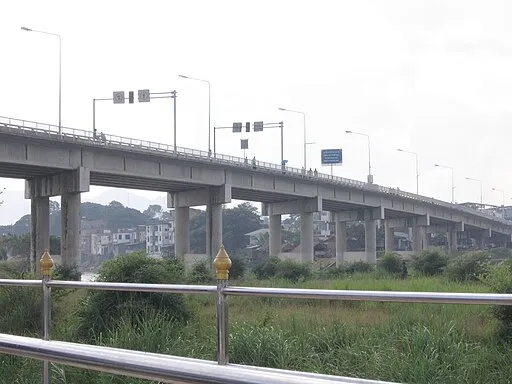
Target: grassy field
<point>410,343</point>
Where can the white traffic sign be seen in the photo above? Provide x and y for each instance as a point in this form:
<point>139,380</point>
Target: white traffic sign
<point>118,97</point>
<point>144,96</point>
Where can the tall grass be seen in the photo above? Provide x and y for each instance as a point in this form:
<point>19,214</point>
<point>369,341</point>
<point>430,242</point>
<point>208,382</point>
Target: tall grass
<point>401,342</point>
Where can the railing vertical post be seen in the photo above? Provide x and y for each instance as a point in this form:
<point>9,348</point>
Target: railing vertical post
<point>222,263</point>
<point>46,264</point>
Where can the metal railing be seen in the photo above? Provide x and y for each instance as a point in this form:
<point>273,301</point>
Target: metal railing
<point>171,368</point>
<point>49,131</point>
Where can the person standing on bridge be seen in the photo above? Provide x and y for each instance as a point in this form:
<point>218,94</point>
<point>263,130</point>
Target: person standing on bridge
<point>254,162</point>
<point>316,173</point>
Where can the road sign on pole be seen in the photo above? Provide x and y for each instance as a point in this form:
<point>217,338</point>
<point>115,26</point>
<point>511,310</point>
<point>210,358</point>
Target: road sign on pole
<point>144,96</point>
<point>237,127</point>
<point>258,126</point>
<point>332,156</point>
<point>244,143</point>
<point>118,97</point>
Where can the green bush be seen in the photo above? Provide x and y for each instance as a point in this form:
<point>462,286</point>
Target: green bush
<point>468,267</point>
<point>201,273</point>
<point>101,309</point>
<point>430,262</point>
<point>358,266</point>
<point>391,263</point>
<point>238,267</point>
<point>499,279</point>
<point>67,273</point>
<point>292,270</point>
<point>267,269</point>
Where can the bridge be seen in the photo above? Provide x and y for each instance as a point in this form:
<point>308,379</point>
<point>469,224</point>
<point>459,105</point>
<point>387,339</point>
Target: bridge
<point>67,164</point>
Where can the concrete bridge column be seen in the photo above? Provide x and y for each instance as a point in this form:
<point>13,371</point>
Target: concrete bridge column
<point>306,237</point>
<point>274,224</point>
<point>420,238</point>
<point>213,230</point>
<point>341,242</point>
<point>389,237</point>
<point>370,240</point>
<point>39,230</point>
<point>70,229</point>
<point>181,232</point>
<point>452,240</point>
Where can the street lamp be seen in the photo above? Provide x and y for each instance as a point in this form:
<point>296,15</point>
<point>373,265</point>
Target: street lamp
<point>209,107</point>
<point>417,169</point>
<point>453,186</point>
<point>481,191</point>
<point>502,194</point>
<point>304,116</point>
<point>60,69</point>
<point>370,177</point>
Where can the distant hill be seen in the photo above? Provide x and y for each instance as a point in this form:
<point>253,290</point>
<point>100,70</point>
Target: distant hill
<point>115,215</point>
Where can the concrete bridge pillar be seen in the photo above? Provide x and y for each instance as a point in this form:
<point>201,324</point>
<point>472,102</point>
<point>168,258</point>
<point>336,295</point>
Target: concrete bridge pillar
<point>213,230</point>
<point>181,232</point>
<point>274,224</point>
<point>370,240</point>
<point>341,241</point>
<point>389,237</point>
<point>68,185</point>
<point>70,229</point>
<point>39,230</point>
<point>452,240</point>
<point>421,239</point>
<point>306,237</point>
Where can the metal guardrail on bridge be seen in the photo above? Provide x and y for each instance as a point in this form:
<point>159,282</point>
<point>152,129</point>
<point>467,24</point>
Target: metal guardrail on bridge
<point>87,137</point>
<point>185,370</point>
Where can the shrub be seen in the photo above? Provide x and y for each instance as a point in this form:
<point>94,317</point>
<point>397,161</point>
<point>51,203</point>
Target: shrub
<point>201,273</point>
<point>238,267</point>
<point>292,270</point>
<point>468,267</point>
<point>359,266</point>
<point>267,269</point>
<point>68,273</point>
<point>430,262</point>
<point>391,263</point>
<point>499,279</point>
<point>101,309</point>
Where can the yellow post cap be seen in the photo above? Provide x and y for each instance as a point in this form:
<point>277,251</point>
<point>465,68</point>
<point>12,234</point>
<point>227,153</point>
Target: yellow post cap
<point>46,263</point>
<point>222,263</point>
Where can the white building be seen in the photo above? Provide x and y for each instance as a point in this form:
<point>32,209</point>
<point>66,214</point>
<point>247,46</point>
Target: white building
<point>322,226</point>
<point>159,237</point>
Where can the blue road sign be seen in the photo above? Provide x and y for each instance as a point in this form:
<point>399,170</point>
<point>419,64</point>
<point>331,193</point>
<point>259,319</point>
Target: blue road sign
<point>332,156</point>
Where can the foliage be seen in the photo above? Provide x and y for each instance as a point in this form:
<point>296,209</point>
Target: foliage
<point>267,269</point>
<point>391,263</point>
<point>499,279</point>
<point>238,267</point>
<point>469,266</point>
<point>358,267</point>
<point>430,262</point>
<point>201,273</point>
<point>101,309</point>
<point>292,270</point>
<point>287,269</point>
<point>197,233</point>
<point>67,273</point>
<point>236,222</point>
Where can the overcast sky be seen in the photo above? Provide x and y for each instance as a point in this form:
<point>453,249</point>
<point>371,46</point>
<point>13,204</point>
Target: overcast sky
<point>433,77</point>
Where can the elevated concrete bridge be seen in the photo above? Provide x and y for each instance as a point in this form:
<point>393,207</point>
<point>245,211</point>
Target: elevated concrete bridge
<point>69,163</point>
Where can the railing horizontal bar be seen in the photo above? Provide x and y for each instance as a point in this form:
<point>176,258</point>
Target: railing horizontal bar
<point>151,366</point>
<point>400,297</point>
<point>21,283</point>
<point>134,287</point>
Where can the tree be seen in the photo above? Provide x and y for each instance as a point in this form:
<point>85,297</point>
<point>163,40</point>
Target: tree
<point>115,204</point>
<point>1,201</point>
<point>154,211</point>
<point>54,206</point>
<point>197,233</point>
<point>238,221</point>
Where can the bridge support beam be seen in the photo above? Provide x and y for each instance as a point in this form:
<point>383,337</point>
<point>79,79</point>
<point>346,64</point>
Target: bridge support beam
<point>70,229</point>
<point>181,232</point>
<point>274,224</point>
<point>389,237</point>
<point>306,237</point>
<point>39,230</point>
<point>69,185</point>
<point>213,230</point>
<point>341,242</point>
<point>370,240</point>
